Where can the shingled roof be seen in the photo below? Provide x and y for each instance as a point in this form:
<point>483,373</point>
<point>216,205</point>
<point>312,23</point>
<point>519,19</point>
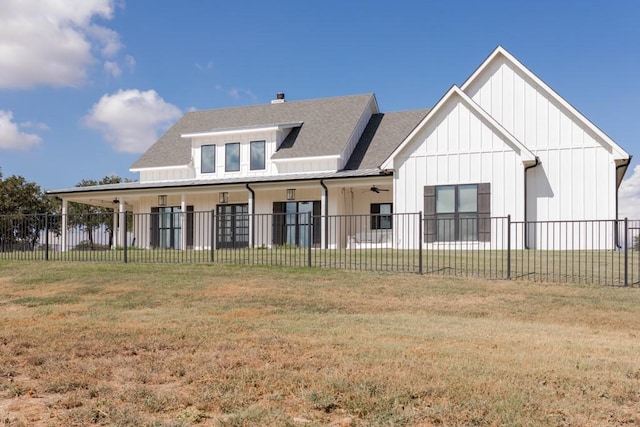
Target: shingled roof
<point>382,135</point>
<point>327,125</point>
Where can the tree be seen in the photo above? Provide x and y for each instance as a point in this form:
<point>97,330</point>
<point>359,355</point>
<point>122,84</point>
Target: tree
<point>91,218</point>
<point>23,206</point>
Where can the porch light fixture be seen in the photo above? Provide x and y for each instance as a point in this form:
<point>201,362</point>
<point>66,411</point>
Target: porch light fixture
<point>223,197</point>
<point>291,194</point>
<point>162,200</point>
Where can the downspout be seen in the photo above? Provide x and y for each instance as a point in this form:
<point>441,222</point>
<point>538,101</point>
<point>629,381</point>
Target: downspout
<point>252,214</point>
<point>625,165</point>
<point>526,204</point>
<point>325,214</point>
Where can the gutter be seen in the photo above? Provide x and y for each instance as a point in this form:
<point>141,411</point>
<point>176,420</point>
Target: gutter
<point>526,204</point>
<point>625,166</point>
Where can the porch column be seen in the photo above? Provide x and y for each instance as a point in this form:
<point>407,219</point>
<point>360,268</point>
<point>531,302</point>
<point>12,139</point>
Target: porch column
<point>64,224</point>
<point>114,243</point>
<point>183,221</point>
<point>323,216</point>
<point>123,223</point>
<point>251,216</point>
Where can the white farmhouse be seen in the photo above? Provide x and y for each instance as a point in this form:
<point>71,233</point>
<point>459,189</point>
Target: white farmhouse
<point>502,144</point>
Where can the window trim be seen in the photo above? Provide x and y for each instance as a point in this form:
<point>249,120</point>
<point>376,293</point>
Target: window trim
<point>226,156</point>
<point>202,169</point>
<point>263,144</point>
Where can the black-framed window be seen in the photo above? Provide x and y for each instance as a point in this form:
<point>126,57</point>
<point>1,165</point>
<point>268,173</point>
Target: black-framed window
<point>257,154</point>
<point>457,212</point>
<point>208,159</point>
<point>291,223</point>
<point>232,226</point>
<point>381,218</point>
<point>232,157</point>
<point>166,227</point>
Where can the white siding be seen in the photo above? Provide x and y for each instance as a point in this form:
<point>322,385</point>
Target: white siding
<point>576,178</point>
<point>458,147</point>
<point>168,174</point>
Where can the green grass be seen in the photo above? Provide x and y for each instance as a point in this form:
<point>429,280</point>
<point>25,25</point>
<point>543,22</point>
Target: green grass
<point>167,345</point>
<point>596,267</point>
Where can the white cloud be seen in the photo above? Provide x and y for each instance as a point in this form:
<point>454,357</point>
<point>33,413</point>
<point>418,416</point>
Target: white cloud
<point>629,196</point>
<point>112,68</point>
<point>131,120</point>
<point>53,42</point>
<point>11,137</point>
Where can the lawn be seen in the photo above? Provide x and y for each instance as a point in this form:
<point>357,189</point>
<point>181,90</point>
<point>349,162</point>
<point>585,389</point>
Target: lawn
<point>178,345</point>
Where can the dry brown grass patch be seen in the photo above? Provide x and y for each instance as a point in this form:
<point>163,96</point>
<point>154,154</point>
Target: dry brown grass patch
<point>164,345</point>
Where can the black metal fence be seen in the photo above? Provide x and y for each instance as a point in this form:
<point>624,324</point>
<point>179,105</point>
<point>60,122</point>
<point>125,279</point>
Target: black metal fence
<point>601,252</point>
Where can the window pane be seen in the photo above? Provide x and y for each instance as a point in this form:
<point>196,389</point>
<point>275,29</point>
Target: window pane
<point>257,155</point>
<point>446,199</point>
<point>468,227</point>
<point>232,157</point>
<point>446,228</point>
<point>468,201</point>
<point>208,159</point>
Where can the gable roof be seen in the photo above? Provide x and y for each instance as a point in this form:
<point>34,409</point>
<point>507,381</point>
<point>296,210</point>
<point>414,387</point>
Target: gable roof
<point>527,156</point>
<point>618,152</point>
<point>327,125</point>
<point>384,132</point>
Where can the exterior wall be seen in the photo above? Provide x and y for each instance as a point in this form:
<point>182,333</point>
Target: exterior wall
<point>272,140</point>
<point>457,147</point>
<point>576,179</point>
<point>168,174</point>
<point>326,164</point>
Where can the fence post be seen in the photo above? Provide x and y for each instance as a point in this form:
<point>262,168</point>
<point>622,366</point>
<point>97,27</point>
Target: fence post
<point>626,252</point>
<point>213,235</point>
<point>124,239</point>
<point>420,242</point>
<point>310,234</point>
<point>508,247</point>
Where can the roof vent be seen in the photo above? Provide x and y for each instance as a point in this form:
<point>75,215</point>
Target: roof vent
<point>279,98</point>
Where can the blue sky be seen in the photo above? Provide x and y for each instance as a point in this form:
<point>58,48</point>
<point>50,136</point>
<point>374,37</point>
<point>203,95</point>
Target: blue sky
<point>86,86</point>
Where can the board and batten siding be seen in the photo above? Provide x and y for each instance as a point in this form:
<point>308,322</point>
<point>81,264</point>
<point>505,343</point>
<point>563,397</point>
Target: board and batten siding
<point>576,178</point>
<point>459,147</point>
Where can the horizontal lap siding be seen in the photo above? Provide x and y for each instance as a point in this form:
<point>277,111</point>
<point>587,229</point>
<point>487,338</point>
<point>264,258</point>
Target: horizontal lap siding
<point>576,178</point>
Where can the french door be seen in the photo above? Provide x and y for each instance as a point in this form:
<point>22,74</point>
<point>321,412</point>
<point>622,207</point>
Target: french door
<point>232,226</point>
<point>296,223</point>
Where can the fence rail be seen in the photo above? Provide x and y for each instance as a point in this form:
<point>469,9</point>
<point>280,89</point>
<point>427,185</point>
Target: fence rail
<point>600,252</point>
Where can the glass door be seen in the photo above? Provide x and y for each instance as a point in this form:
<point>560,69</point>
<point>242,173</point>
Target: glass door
<point>232,226</point>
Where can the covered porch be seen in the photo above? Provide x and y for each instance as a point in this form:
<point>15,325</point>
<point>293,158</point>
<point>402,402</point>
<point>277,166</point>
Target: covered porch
<point>301,211</point>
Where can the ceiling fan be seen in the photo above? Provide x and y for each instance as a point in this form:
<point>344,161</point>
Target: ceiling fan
<point>378,189</point>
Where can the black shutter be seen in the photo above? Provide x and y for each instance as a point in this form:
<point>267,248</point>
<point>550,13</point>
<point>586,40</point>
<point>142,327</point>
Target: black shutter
<point>189,227</point>
<point>430,213</point>
<point>317,223</point>
<point>279,231</point>
<point>154,230</point>
<point>484,212</point>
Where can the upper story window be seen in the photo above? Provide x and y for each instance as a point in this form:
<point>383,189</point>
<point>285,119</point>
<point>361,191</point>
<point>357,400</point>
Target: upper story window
<point>208,159</point>
<point>232,157</point>
<point>257,154</point>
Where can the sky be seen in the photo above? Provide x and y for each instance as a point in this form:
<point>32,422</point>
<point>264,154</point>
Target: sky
<point>86,86</point>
